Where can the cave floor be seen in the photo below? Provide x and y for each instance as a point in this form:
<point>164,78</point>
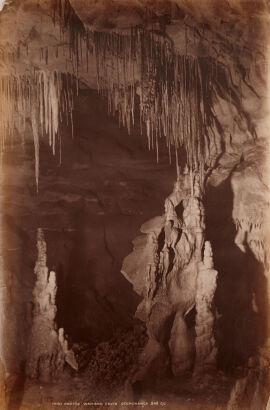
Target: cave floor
<point>74,391</point>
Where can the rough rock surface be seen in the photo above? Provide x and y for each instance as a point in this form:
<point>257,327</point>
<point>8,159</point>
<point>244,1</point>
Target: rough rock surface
<point>170,272</point>
<point>205,342</point>
<point>48,349</point>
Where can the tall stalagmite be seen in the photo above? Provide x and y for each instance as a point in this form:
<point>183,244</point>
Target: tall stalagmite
<point>48,349</point>
<point>205,343</point>
<point>168,270</point>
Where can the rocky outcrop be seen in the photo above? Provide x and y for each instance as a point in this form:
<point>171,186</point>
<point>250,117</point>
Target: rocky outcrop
<point>48,349</point>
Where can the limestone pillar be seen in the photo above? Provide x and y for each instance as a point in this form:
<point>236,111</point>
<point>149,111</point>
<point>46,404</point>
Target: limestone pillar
<point>206,286</point>
<point>47,349</point>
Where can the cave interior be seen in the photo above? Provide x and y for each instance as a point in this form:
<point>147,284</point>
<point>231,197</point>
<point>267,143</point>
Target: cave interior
<point>134,204</point>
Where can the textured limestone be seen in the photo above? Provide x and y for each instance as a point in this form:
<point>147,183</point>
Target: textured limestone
<point>48,348</point>
<point>168,270</point>
<point>41,49</point>
<point>252,390</point>
<point>168,266</point>
<point>181,346</point>
<point>251,193</point>
<point>205,340</point>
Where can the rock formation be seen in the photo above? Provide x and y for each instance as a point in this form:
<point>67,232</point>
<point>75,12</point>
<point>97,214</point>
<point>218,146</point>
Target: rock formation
<point>206,285</point>
<point>48,349</point>
<point>177,279</point>
<point>190,74</point>
<point>252,389</point>
<point>2,385</point>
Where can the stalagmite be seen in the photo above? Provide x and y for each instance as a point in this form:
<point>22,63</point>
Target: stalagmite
<point>47,349</point>
<point>205,341</point>
<point>182,94</point>
<point>177,280</point>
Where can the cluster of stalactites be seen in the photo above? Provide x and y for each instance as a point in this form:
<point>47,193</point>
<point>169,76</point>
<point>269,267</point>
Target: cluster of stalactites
<point>72,26</point>
<point>43,97</point>
<point>249,225</point>
<point>115,57</point>
<point>174,91</point>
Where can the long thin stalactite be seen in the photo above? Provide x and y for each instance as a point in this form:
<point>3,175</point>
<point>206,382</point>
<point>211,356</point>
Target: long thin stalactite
<point>176,92</point>
<point>138,70</point>
<point>45,98</point>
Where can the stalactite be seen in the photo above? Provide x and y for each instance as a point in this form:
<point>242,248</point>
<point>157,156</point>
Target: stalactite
<point>36,144</point>
<point>205,343</point>
<point>73,27</point>
<point>175,91</point>
<point>41,97</point>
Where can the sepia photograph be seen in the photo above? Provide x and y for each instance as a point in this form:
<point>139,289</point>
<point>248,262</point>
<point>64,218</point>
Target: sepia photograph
<point>135,204</point>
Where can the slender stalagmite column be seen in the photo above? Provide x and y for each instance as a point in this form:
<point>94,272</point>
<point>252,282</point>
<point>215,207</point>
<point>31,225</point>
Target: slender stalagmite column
<point>47,349</point>
<point>206,285</point>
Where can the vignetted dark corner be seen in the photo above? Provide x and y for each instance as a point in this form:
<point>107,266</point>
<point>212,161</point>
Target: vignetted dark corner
<point>134,204</point>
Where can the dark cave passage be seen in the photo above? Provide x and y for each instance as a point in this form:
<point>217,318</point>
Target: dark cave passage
<point>107,186</point>
<point>240,330</point>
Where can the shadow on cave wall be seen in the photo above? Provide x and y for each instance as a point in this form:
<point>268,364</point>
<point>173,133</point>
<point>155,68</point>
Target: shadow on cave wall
<point>240,329</point>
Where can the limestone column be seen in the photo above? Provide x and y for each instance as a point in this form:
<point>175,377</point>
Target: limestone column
<point>47,349</point>
<point>206,286</point>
